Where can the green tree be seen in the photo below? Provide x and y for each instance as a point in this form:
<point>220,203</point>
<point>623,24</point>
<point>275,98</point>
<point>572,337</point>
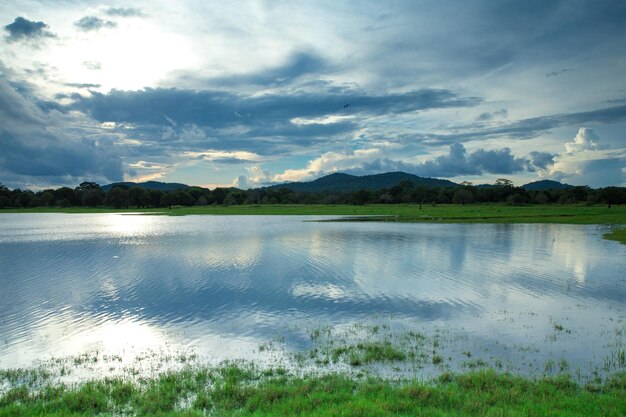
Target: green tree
<point>92,197</point>
<point>47,198</point>
<point>138,196</point>
<point>462,196</point>
<point>503,182</point>
<point>154,197</point>
<point>117,197</point>
<point>5,202</point>
<point>167,199</point>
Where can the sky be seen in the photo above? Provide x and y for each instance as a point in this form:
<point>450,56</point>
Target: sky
<point>251,93</point>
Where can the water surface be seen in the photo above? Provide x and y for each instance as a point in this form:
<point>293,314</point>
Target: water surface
<point>222,286</point>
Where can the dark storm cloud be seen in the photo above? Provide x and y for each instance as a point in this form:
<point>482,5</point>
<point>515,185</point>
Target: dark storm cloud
<point>89,23</point>
<point>497,161</point>
<point>222,109</point>
<point>530,128</point>
<point>542,160</point>
<point>22,29</point>
<point>457,40</point>
<point>33,151</point>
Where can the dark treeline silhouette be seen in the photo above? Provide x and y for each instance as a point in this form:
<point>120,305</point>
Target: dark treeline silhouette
<point>89,194</point>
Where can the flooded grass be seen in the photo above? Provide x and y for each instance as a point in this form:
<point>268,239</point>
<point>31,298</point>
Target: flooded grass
<point>361,369</point>
<point>242,390</point>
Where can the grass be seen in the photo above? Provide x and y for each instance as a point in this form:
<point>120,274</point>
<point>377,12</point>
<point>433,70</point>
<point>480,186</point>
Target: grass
<point>617,234</point>
<point>243,390</point>
<point>470,213</point>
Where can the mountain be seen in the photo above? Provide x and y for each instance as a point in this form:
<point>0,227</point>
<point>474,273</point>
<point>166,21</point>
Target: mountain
<point>150,185</point>
<point>546,185</point>
<point>346,183</point>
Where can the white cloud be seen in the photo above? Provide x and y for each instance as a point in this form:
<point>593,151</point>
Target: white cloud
<point>585,162</point>
<point>586,139</point>
<point>330,162</point>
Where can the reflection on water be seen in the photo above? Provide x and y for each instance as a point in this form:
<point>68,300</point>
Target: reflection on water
<point>221,285</point>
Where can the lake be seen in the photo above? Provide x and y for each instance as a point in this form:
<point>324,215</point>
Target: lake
<point>532,299</point>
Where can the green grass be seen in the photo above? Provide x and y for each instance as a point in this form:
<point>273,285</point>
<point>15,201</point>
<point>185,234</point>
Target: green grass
<point>236,390</point>
<point>617,234</point>
<point>471,213</point>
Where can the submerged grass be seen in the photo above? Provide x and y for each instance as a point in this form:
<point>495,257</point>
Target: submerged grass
<point>243,390</point>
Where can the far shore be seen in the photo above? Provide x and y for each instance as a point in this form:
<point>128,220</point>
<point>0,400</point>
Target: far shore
<point>427,213</point>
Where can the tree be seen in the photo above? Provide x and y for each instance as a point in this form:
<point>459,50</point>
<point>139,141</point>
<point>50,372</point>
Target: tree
<point>117,197</point>
<point>361,197</point>
<point>47,198</point>
<point>154,197</point>
<point>612,195</point>
<point>65,193</point>
<point>462,196</point>
<point>89,194</point>
<point>138,196</point>
<point>503,182</point>
<point>92,197</point>
<point>167,199</point>
<point>5,201</point>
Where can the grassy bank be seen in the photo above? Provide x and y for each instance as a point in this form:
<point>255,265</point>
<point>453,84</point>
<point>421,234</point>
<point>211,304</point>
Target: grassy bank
<point>242,390</point>
<point>474,213</point>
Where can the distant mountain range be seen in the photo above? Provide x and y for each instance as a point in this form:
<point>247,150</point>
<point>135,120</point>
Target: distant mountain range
<point>339,182</point>
<point>345,182</point>
<point>150,185</point>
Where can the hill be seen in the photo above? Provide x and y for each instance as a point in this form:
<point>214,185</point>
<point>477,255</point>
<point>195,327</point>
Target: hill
<point>340,182</point>
<point>546,185</point>
<point>150,185</point>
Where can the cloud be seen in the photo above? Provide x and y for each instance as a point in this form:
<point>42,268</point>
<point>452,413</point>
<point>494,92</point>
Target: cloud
<point>529,128</point>
<point>92,65</point>
<point>502,113</point>
<point>256,177</point>
<point>586,139</point>
<point>267,123</point>
<point>297,66</point>
<point>24,29</point>
<point>585,162</point>
<point>83,85</point>
<point>371,161</point>
<point>559,72</point>
<point>124,12</point>
<point>44,147</point>
<point>542,160</point>
<point>90,23</point>
<point>220,108</point>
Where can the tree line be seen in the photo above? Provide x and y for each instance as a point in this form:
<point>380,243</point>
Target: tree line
<point>90,194</point>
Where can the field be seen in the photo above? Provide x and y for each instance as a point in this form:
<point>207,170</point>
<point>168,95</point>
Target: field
<point>471,213</point>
